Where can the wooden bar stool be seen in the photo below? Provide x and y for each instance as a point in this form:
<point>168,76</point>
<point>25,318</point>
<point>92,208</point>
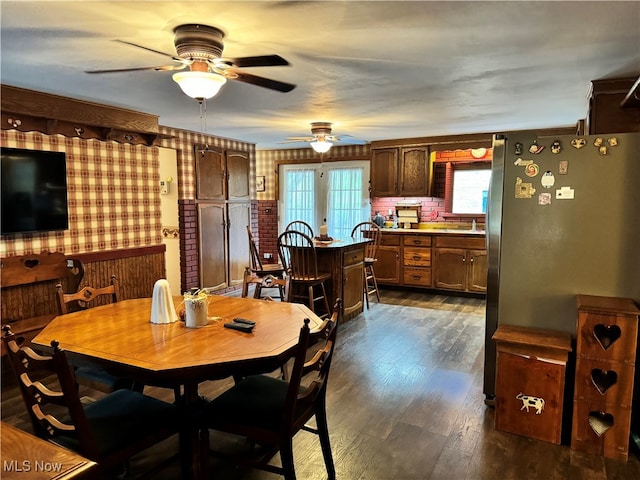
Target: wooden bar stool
<point>298,256</point>
<point>370,231</point>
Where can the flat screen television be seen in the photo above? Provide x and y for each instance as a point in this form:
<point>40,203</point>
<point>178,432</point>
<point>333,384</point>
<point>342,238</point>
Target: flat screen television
<point>34,191</point>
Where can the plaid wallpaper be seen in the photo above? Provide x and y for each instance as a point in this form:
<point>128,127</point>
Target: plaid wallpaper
<point>184,141</point>
<point>266,162</point>
<point>113,191</point>
<point>113,196</point>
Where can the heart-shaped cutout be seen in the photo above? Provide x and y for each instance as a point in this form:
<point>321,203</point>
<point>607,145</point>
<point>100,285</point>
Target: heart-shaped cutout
<point>606,334</point>
<point>31,262</point>
<point>603,380</point>
<point>600,422</point>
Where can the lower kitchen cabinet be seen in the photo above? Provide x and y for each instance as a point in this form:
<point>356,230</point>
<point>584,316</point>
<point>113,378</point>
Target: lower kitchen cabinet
<point>449,262</point>
<point>387,266</point>
<point>416,260</point>
<point>459,266</point>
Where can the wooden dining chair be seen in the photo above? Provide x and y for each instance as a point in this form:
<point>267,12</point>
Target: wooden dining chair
<point>300,226</point>
<point>261,282</point>
<point>87,296</point>
<point>298,255</point>
<point>108,431</point>
<point>262,269</point>
<point>269,411</point>
<point>369,231</point>
<point>87,373</point>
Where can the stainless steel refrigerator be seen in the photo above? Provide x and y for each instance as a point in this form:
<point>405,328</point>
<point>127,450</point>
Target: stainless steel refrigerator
<point>563,219</point>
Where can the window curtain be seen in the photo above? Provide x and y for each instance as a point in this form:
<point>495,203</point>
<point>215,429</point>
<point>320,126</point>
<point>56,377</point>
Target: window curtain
<point>300,196</point>
<point>344,200</point>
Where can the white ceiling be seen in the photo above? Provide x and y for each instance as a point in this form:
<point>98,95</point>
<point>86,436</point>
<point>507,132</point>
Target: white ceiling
<point>377,70</point>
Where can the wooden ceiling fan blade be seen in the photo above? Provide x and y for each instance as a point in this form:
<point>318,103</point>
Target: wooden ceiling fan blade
<point>258,61</point>
<point>262,82</point>
<point>172,57</point>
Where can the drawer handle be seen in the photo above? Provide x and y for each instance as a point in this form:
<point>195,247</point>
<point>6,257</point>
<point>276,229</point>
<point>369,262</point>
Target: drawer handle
<point>606,335</point>
<point>416,257</point>
<point>417,242</point>
<point>417,277</point>
<point>471,259</point>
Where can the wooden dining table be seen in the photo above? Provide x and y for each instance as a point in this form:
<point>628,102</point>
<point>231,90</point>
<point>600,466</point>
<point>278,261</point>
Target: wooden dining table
<point>27,457</point>
<point>121,338</point>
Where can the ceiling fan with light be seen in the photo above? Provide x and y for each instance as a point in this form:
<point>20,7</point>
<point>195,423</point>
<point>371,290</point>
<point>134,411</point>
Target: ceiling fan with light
<point>321,139</point>
<point>199,47</point>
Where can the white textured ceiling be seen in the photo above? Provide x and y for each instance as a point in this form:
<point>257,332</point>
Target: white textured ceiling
<point>377,70</point>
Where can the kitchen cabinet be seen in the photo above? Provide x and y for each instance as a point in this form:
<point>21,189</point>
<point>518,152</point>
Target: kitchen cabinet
<point>460,264</point>
<point>224,247</point>
<point>387,266</point>
<point>224,211</point>
<point>416,260</point>
<point>606,115</point>
<point>345,261</point>
<point>400,171</point>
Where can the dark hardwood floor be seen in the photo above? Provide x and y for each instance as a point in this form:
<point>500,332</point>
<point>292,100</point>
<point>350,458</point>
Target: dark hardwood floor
<point>405,402</point>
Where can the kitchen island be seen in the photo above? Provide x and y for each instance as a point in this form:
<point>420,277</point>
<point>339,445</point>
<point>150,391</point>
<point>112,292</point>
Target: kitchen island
<point>344,259</point>
<point>438,258</point>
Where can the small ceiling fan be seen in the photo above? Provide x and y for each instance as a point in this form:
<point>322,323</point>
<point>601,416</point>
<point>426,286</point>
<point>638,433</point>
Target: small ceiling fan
<point>322,139</point>
<point>199,47</point>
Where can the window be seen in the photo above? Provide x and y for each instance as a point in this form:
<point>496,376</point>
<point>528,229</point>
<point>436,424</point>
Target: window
<point>335,192</point>
<point>470,188</point>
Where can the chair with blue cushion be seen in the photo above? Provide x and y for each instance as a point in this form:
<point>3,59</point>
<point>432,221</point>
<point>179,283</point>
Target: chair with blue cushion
<point>269,411</point>
<point>108,431</point>
<point>87,373</point>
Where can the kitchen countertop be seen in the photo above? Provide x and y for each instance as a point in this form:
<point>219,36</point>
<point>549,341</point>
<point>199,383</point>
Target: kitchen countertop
<point>433,231</point>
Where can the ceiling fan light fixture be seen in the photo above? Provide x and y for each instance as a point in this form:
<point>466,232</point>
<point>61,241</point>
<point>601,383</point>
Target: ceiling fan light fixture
<point>199,85</point>
<point>321,146</point>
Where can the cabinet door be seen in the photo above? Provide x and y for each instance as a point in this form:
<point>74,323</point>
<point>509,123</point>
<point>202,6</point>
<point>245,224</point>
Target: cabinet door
<point>210,175</point>
<point>477,275</point>
<point>451,268</point>
<point>414,171</point>
<point>387,267</point>
<point>212,236</point>
<point>384,172</point>
<point>238,251</point>
<point>353,289</point>
<point>238,175</point>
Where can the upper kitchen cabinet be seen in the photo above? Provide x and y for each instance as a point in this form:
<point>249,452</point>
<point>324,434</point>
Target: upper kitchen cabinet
<point>612,108</point>
<point>222,175</point>
<point>400,171</point>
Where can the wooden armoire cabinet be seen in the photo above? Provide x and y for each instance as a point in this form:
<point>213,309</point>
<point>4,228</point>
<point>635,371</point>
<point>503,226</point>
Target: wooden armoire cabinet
<point>224,211</point>
<point>607,337</point>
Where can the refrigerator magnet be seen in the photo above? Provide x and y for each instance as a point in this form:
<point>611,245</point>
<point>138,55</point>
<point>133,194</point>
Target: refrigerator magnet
<point>578,143</point>
<point>565,193</point>
<point>563,167</point>
<point>547,179</point>
<point>522,163</point>
<point>535,148</point>
<point>612,141</point>
<point>602,150</point>
<point>598,141</point>
<point>524,190</point>
<point>544,199</point>
<point>517,148</point>
<point>531,170</point>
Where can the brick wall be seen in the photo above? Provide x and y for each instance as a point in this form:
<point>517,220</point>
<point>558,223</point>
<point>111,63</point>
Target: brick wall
<point>267,215</point>
<point>189,268</point>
